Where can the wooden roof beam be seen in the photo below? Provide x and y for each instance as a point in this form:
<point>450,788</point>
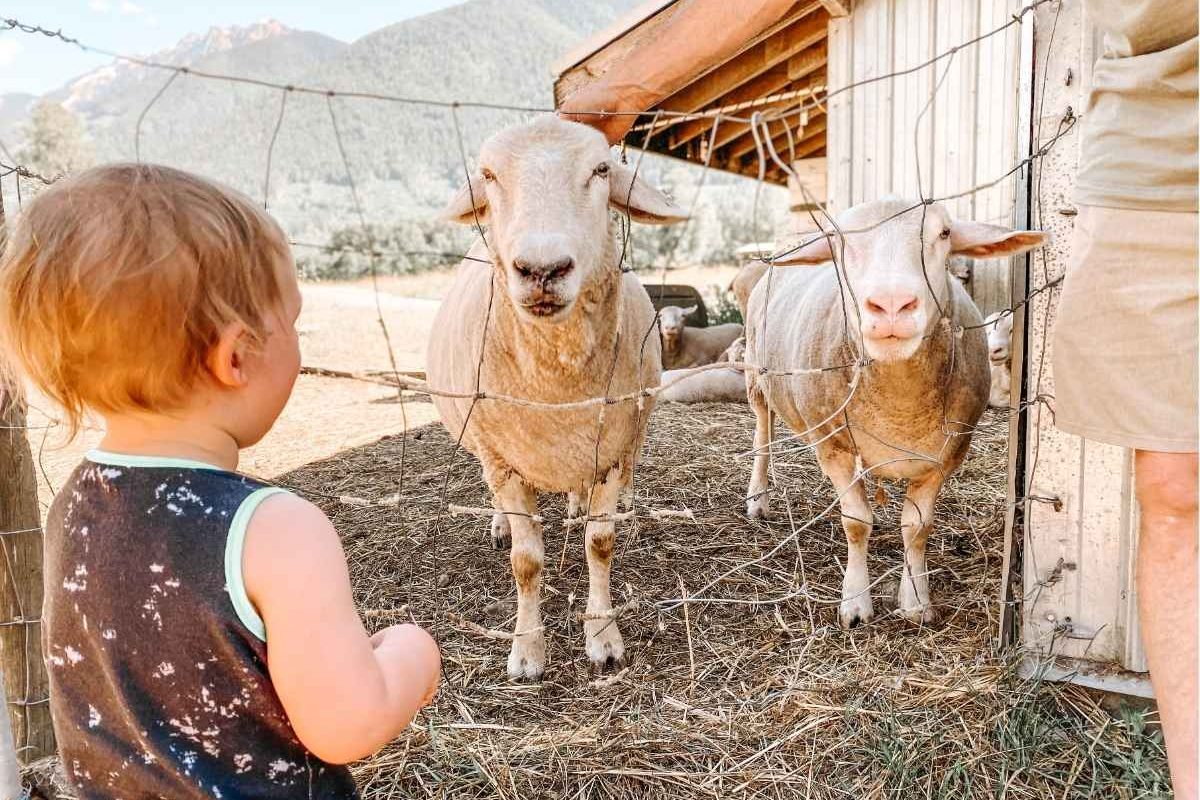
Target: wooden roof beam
<point>769,82</point>
<point>731,131</point>
<point>737,132</point>
<point>774,80</point>
<point>745,145</point>
<point>805,63</point>
<point>812,149</point>
<point>776,49</point>
<point>837,8</point>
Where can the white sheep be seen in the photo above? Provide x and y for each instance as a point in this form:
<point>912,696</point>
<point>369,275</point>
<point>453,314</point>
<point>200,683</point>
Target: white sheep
<point>961,269</point>
<point>711,386</point>
<point>924,377</point>
<point>745,280</point>
<point>684,346</point>
<point>552,319</point>
<point>999,342</point>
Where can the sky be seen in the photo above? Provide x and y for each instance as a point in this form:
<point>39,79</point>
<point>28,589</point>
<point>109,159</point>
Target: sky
<point>36,64</point>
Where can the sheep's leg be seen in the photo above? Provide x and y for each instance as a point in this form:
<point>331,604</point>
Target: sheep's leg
<point>572,505</point>
<point>501,529</point>
<point>916,521</point>
<point>857,520</point>
<point>528,656</point>
<point>602,638</point>
<point>757,502</point>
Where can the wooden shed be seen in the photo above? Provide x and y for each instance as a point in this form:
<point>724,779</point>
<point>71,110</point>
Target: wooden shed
<point>929,99</point>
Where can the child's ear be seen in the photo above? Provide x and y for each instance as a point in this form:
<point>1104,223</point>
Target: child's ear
<point>227,358</point>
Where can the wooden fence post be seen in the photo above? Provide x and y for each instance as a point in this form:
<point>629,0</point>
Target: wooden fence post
<point>24,672</point>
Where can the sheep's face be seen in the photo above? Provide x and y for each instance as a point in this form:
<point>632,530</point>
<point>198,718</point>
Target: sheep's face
<point>543,191</point>
<point>895,264</point>
<point>960,268</point>
<point>672,320</point>
<point>999,337</point>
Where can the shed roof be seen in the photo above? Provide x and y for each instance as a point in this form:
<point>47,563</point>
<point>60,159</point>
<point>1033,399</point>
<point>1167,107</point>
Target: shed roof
<point>780,69</point>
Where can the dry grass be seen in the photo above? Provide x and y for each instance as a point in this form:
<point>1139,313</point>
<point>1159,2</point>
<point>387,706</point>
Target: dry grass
<point>733,696</point>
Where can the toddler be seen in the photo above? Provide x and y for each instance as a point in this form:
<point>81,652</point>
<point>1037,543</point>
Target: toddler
<point>198,626</point>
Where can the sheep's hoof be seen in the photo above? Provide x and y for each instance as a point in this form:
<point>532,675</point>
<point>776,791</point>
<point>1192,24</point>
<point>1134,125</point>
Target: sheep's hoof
<point>604,645</point>
<point>527,659</point>
<point>756,508</point>
<point>919,615</point>
<point>855,611</point>
<point>501,532</point>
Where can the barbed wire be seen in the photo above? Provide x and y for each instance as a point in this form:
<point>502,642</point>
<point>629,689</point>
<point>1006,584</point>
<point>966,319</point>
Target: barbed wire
<point>26,172</point>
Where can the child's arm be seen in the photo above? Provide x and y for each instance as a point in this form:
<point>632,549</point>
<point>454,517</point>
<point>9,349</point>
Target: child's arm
<point>346,693</point>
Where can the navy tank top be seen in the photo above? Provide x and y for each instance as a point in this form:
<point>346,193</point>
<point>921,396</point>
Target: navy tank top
<point>157,660</point>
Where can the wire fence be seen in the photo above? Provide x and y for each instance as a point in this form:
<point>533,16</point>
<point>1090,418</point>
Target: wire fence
<point>597,515</point>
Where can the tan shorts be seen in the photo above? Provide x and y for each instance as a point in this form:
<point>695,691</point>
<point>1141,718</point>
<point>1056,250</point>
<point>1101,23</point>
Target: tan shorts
<point>1126,339</point>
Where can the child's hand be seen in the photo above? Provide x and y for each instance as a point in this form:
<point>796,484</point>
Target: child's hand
<point>346,693</point>
<point>416,647</point>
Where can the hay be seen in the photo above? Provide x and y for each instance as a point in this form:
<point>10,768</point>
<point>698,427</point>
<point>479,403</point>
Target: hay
<point>754,692</point>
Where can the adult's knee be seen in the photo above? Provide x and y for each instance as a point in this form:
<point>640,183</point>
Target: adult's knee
<point>1166,483</point>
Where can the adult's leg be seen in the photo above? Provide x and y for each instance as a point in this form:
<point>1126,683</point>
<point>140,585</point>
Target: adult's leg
<point>1166,584</point>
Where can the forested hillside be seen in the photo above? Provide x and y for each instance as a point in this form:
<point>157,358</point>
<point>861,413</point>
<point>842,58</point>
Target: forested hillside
<point>405,157</point>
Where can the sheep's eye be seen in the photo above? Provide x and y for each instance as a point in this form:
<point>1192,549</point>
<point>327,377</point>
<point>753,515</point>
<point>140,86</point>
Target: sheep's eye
<point>601,170</point>
<point>488,175</point>
<point>945,233</point>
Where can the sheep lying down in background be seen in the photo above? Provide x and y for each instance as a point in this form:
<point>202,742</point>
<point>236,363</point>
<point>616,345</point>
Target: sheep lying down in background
<point>712,386</point>
<point>999,339</point>
<point>684,346</point>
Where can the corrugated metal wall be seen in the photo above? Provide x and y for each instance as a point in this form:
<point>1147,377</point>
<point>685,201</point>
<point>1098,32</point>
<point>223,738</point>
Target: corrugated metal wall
<point>884,134</point>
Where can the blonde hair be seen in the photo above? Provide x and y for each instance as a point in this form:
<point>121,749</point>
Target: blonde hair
<point>117,282</point>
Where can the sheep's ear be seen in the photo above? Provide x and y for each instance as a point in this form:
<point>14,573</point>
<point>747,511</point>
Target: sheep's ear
<point>687,312</point>
<point>982,240</point>
<point>469,204</point>
<point>639,199</point>
<point>814,251</point>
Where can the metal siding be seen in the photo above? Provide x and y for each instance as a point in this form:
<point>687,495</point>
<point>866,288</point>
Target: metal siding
<point>876,146</point>
<point>839,149</point>
<point>950,167</point>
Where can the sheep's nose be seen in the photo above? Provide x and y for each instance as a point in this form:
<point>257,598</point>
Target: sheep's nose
<point>544,270</point>
<point>891,305</point>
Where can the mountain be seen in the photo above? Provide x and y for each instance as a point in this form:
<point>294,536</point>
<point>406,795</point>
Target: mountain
<point>405,158</point>
<point>14,108</point>
<point>104,91</point>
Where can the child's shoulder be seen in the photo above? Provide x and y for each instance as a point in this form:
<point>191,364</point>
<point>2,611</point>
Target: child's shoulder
<point>110,483</point>
<point>288,523</point>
